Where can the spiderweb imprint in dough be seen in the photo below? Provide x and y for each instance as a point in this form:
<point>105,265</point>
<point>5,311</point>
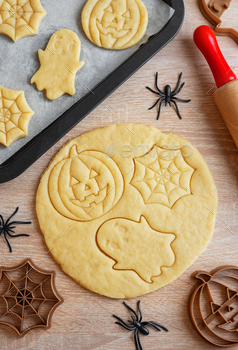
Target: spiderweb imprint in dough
<point>15,115</point>
<point>162,176</point>
<point>18,15</point>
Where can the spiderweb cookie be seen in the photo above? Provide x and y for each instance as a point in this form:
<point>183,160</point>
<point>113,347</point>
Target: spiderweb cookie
<point>20,18</point>
<point>126,209</point>
<point>15,115</point>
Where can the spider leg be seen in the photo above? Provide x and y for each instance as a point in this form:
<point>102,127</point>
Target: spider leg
<point>155,92</point>
<point>179,99</point>
<point>131,310</point>
<point>20,222</point>
<point>124,323</point>
<point>9,230</point>
<point>177,86</point>
<point>152,323</point>
<point>136,339</point>
<point>177,92</point>
<point>176,106</point>
<point>2,220</point>
<point>19,235</point>
<point>159,99</point>
<point>128,329</point>
<point>156,83</point>
<point>139,311</point>
<point>9,245</point>
<point>12,216</point>
<point>160,105</point>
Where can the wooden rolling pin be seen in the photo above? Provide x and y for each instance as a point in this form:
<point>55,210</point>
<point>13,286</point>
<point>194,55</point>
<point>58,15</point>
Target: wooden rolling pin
<point>226,96</point>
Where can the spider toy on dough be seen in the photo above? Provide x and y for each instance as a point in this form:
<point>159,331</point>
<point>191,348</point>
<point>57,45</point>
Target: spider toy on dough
<point>138,326</point>
<point>59,65</point>
<point>168,96</point>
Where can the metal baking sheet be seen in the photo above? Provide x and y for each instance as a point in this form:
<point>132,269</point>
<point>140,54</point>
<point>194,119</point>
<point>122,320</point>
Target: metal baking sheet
<point>16,72</point>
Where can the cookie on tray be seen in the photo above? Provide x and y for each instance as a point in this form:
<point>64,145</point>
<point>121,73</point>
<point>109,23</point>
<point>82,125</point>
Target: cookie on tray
<point>116,24</point>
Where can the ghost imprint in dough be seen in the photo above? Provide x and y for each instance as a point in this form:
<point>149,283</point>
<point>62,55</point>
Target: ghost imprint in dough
<point>59,65</point>
<point>136,246</point>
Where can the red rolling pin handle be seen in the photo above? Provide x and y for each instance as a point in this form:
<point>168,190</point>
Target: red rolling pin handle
<point>206,41</point>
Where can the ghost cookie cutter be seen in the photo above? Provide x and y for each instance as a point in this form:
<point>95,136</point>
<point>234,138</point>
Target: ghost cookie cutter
<point>213,12</point>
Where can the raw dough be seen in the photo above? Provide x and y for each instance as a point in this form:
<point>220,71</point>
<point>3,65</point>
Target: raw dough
<point>126,209</point>
<point>15,115</point>
<point>115,24</point>
<point>59,64</point>
<point>20,18</point>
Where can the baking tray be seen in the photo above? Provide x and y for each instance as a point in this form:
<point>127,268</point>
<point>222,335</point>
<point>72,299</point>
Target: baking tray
<point>42,142</point>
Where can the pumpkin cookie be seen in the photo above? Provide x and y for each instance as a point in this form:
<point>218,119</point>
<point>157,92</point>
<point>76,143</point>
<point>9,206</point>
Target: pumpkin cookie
<point>15,115</point>
<point>20,18</point>
<point>114,24</point>
<point>59,64</point>
<point>126,222</point>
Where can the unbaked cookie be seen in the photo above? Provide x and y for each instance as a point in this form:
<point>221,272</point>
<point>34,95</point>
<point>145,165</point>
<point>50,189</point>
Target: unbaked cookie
<point>15,115</point>
<point>126,209</point>
<point>59,64</point>
<point>114,24</point>
<point>20,18</point>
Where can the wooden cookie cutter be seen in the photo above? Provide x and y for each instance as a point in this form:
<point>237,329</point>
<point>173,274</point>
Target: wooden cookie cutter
<point>213,12</point>
<point>214,305</point>
<point>28,297</point>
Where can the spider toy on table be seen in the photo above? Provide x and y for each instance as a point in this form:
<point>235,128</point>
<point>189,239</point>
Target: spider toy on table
<point>7,226</point>
<point>168,96</point>
<point>137,325</point>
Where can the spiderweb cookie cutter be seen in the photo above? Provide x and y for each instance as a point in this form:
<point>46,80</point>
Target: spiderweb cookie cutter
<point>28,297</point>
<point>216,322</point>
<point>213,14</point>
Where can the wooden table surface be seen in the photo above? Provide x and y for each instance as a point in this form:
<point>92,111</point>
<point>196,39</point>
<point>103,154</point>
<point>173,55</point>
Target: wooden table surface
<point>84,320</point>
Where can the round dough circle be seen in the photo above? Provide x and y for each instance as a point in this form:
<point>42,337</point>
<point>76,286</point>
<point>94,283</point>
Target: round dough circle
<point>155,218</point>
<point>114,24</point>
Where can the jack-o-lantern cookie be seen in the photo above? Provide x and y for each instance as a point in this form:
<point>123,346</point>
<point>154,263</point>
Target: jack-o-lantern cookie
<point>114,24</point>
<point>126,209</point>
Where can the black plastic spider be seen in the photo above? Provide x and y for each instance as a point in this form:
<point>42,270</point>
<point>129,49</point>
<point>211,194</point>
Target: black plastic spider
<point>7,227</point>
<point>168,96</point>
<point>138,326</point>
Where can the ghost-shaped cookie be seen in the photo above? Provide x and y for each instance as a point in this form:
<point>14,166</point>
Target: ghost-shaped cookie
<point>136,246</point>
<point>59,65</point>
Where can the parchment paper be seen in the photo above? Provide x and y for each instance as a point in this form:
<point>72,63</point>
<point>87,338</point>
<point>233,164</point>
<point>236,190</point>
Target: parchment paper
<point>19,61</point>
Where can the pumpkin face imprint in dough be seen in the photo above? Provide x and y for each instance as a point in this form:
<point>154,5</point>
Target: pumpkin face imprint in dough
<point>116,24</point>
<point>156,217</point>
<point>88,186</point>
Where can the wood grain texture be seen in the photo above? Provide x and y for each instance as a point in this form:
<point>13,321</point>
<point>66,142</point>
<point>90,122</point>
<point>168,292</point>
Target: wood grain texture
<point>226,98</point>
<point>85,320</point>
